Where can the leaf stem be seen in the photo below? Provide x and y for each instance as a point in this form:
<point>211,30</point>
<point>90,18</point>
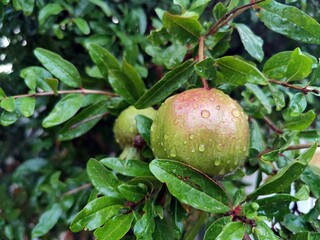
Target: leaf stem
<point>290,148</point>
<point>78,189</point>
<point>79,91</point>
<point>305,90</point>
<point>229,16</point>
<point>200,58</point>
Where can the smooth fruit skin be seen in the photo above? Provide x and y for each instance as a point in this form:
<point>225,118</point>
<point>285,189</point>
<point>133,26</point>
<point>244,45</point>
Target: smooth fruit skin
<point>203,128</point>
<point>125,128</point>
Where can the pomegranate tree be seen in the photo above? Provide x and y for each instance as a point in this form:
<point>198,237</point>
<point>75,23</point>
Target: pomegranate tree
<point>204,128</point>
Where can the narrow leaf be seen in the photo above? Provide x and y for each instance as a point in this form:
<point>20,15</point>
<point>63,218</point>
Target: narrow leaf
<point>251,42</point>
<point>172,81</point>
<point>185,29</point>
<point>115,228</point>
<point>290,21</point>
<point>82,25</point>
<point>47,11</point>
<point>300,122</point>
<point>104,180</point>
<point>132,168</point>
<point>190,187</point>
<point>96,213</point>
<point>205,68</point>
<point>236,71</point>
<point>65,71</point>
<point>65,109</point>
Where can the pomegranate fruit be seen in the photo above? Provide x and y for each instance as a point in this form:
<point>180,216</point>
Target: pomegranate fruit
<point>203,128</point>
<point>125,130</point>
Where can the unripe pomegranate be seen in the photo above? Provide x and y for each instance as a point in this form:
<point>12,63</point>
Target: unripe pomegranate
<point>125,130</point>
<point>203,128</point>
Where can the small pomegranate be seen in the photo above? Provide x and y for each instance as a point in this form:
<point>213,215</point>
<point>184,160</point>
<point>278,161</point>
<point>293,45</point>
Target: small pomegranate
<point>126,132</point>
<point>203,128</point>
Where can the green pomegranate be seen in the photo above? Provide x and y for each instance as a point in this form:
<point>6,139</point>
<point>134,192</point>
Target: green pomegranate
<point>125,130</point>
<point>203,128</point>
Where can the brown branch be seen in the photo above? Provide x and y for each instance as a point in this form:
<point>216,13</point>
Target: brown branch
<point>305,90</point>
<point>88,120</point>
<point>79,91</point>
<point>201,57</point>
<point>229,16</point>
<point>78,189</point>
<point>290,148</point>
<point>272,125</point>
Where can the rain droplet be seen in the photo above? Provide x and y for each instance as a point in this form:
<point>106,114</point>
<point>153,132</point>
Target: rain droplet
<point>152,127</point>
<point>161,143</point>
<point>195,106</point>
<point>201,147</point>
<point>235,113</point>
<point>193,150</point>
<point>185,142</point>
<point>173,152</point>
<point>218,107</point>
<point>217,162</point>
<point>222,171</point>
<point>211,99</point>
<point>205,113</point>
<point>191,136</point>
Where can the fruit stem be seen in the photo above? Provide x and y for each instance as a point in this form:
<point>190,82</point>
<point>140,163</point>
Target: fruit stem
<point>201,57</point>
<point>130,153</point>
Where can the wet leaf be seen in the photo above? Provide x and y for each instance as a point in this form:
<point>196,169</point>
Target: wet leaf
<point>27,106</point>
<point>262,231</point>
<point>299,67</point>
<point>143,125</point>
<point>232,231</point>
<point>216,228</point>
<point>8,104</point>
<point>276,66</point>
<point>190,186</point>
<point>82,25</point>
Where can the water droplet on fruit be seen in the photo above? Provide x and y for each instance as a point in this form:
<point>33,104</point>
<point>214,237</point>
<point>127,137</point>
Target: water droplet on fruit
<point>161,143</point>
<point>152,128</point>
<point>218,107</point>
<point>217,162</point>
<point>191,136</point>
<point>222,171</point>
<point>173,152</point>
<point>195,106</point>
<point>235,113</point>
<point>193,150</point>
<point>205,113</point>
<point>211,99</point>
<point>185,142</point>
<point>201,147</point>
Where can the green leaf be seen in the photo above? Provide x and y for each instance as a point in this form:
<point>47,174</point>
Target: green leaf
<point>262,231</point>
<point>276,66</point>
<point>205,68</point>
<point>132,168</point>
<point>145,226</point>
<point>84,121</point>
<point>278,97</point>
<point>256,139</point>
<point>103,5</point>
<point>96,213</point>
<point>104,60</point>
<point>300,122</point>
<point>299,67</point>
<point>190,186</point>
<point>199,6</point>
<point>8,118</point>
<point>53,84</point>
<point>115,228</point>
<point>65,71</point>
<point>36,77</point>
<point>25,5</point>
<point>219,10</point>
<point>238,72</point>
<point>251,42</point>
<point>286,175</point>
<point>104,180</point>
<point>185,29</point>
<point>260,95</point>
<point>311,176</point>
<point>296,223</point>
<point>143,125</point>
<point>47,11</point>
<point>65,109</point>
<point>132,193</point>
<point>82,25</point>
<point>315,76</point>
<point>216,228</point>
<point>8,104</point>
<point>298,104</point>
<point>47,221</point>
<point>172,81</point>
<point>27,106</point>
<point>219,43</point>
<point>232,231</point>
<point>290,21</point>
<point>2,94</point>
<point>182,3</point>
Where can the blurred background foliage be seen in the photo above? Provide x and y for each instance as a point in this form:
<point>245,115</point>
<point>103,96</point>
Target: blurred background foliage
<point>37,170</point>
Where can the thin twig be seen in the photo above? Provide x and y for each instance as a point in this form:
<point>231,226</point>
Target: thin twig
<point>201,57</point>
<point>290,148</point>
<point>272,125</point>
<point>305,90</point>
<point>78,189</point>
<point>229,16</point>
<point>88,120</point>
<point>79,91</point>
